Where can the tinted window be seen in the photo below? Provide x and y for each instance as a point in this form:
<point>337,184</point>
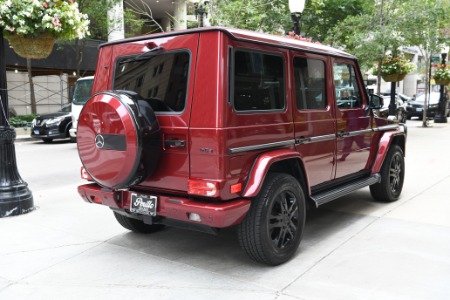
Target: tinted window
<point>258,81</point>
<point>160,79</point>
<point>309,77</point>
<point>347,91</point>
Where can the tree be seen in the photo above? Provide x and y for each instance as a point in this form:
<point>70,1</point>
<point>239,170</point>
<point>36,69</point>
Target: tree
<point>428,30</point>
<point>321,16</point>
<point>257,15</point>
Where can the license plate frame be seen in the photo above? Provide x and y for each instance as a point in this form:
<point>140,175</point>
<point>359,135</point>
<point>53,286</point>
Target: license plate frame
<point>143,204</point>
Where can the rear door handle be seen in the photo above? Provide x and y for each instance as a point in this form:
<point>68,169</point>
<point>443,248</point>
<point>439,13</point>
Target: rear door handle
<point>174,143</point>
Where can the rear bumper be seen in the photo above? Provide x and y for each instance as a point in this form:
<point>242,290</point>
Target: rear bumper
<point>217,214</point>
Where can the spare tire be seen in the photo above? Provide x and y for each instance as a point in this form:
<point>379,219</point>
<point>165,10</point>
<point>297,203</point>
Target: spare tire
<point>119,139</point>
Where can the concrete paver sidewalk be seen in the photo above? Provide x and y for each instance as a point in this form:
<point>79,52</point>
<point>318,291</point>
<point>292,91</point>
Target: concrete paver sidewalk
<point>353,248</point>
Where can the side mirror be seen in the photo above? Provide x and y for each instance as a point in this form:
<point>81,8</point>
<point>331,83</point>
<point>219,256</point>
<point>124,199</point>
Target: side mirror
<point>376,102</point>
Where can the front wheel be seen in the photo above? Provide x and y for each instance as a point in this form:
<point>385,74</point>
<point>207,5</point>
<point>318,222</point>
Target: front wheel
<point>136,225</point>
<point>392,176</point>
<point>273,228</point>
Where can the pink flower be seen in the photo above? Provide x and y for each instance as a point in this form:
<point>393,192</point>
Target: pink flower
<point>45,4</point>
<point>56,21</point>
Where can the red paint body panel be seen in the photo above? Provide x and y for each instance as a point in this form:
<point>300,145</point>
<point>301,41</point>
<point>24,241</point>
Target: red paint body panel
<point>383,147</point>
<point>262,165</point>
<point>213,214</point>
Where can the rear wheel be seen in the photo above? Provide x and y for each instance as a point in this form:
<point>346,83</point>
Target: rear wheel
<point>272,229</point>
<point>392,176</point>
<point>136,225</point>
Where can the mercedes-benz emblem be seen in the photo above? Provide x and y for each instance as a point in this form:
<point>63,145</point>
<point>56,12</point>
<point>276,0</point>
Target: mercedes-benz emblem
<point>99,141</point>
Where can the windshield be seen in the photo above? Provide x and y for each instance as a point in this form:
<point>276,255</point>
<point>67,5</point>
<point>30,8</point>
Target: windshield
<point>160,79</point>
<point>82,92</point>
<point>434,98</point>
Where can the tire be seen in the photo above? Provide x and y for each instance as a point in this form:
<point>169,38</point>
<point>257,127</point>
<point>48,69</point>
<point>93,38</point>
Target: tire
<point>136,225</point>
<point>281,200</point>
<point>47,140</point>
<point>392,177</point>
<point>73,139</point>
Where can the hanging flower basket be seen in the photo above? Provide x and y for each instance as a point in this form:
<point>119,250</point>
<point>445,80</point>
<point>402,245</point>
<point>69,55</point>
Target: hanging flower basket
<point>442,75</point>
<point>393,77</point>
<point>396,68</point>
<point>32,47</point>
<point>442,81</point>
<point>31,26</point>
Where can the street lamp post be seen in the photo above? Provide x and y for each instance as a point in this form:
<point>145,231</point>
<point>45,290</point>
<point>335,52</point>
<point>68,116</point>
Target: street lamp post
<point>296,7</point>
<point>440,116</point>
<point>15,197</point>
<point>201,11</point>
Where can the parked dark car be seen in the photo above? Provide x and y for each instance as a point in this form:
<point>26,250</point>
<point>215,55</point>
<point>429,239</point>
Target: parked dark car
<point>400,109</point>
<point>53,125</point>
<point>402,97</point>
<point>414,108</point>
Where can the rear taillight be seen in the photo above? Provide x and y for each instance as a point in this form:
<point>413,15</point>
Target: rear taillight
<point>85,174</point>
<point>203,188</point>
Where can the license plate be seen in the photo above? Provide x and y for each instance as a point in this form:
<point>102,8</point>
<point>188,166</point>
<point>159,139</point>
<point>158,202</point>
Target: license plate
<point>143,204</point>
<point>36,132</point>
<point>419,109</point>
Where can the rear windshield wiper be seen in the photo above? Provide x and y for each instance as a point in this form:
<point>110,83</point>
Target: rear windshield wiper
<point>143,56</point>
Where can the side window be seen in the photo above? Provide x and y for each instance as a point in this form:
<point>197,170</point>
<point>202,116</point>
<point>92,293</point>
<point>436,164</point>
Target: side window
<point>309,75</point>
<point>258,82</point>
<point>348,94</point>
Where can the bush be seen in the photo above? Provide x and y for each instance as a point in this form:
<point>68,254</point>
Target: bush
<point>21,121</point>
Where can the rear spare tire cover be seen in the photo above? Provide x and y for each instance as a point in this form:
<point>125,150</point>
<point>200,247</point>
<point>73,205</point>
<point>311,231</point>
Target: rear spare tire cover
<point>110,139</point>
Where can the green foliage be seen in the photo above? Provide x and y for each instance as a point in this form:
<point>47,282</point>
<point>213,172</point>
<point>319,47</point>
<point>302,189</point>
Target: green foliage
<point>30,18</point>
<point>442,72</point>
<point>97,12</point>
<point>321,16</point>
<point>21,121</point>
<point>396,65</point>
<point>257,15</point>
<point>133,24</point>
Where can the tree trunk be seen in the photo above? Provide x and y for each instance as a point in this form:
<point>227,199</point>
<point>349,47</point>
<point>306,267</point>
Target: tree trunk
<point>30,80</point>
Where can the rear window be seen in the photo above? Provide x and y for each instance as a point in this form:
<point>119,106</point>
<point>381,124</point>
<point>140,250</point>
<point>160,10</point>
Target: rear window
<point>258,81</point>
<point>160,79</point>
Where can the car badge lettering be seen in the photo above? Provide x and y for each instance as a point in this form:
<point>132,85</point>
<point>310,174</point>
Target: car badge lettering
<point>99,141</point>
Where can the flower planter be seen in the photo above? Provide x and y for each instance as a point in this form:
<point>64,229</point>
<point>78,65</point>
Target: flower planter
<point>442,81</point>
<point>32,47</point>
<point>393,77</point>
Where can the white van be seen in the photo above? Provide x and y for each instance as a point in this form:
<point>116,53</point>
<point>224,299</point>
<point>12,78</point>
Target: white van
<point>81,94</point>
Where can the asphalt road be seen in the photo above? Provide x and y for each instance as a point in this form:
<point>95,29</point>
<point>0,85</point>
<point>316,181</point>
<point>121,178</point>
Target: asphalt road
<point>353,248</point>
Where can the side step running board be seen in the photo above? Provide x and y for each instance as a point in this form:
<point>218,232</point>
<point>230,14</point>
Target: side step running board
<point>338,192</point>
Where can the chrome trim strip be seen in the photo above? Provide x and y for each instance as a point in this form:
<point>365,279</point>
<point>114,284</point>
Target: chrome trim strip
<point>315,139</point>
<point>387,127</point>
<point>260,146</point>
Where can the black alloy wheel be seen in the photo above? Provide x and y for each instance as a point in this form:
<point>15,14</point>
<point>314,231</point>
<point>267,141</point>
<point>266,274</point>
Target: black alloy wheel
<point>272,229</point>
<point>392,177</point>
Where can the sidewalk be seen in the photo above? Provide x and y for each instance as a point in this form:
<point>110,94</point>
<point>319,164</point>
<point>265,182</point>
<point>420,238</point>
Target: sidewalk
<point>353,248</point>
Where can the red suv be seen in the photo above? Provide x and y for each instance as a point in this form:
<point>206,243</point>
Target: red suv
<point>213,127</point>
